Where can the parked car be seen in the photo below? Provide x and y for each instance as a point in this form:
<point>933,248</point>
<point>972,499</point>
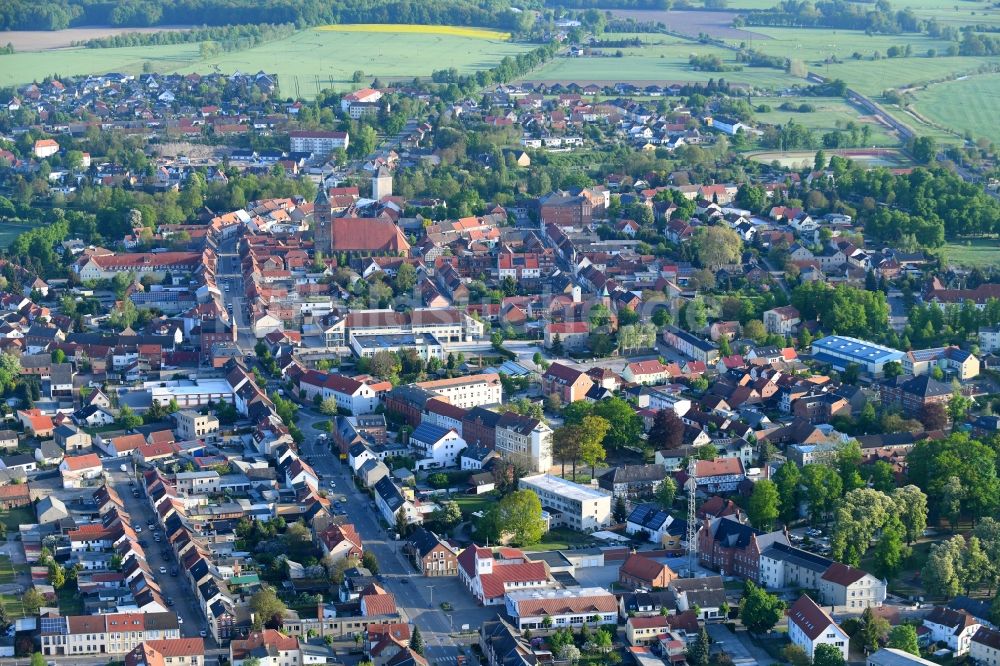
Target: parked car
<point>163,570</point>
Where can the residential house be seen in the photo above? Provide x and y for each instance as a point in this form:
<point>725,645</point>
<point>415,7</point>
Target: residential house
<point>984,649</point>
<point>431,554</point>
<point>632,481</point>
<point>643,572</point>
<point>842,585</point>
<point>568,383</point>
<point>810,626</point>
<point>952,628</point>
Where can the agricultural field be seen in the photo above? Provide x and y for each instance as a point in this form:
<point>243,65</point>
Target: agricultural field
<point>982,252</point>
<point>966,105</point>
<point>872,79</point>
<point>317,56</point>
<point>43,40</point>
<point>814,45</point>
<point>797,159</point>
<point>713,23</point>
<point>412,29</point>
<point>831,113</point>
<point>663,61</point>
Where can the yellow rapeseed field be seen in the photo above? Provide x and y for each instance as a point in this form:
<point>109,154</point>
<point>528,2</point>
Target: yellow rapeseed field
<point>411,28</point>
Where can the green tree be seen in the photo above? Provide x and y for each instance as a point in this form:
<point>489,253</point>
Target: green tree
<point>406,278</point>
<point>416,641</point>
<point>58,356</point>
<point>940,575</point>
<point>828,655</point>
<point>911,507</point>
<point>787,479</point>
<point>857,518</point>
<point>620,511</point>
<point>666,492</point>
<point>759,610</point>
<point>363,142</point>
<point>874,630</point>
<point>822,488</point>
<point>32,600</point>
<point>37,659</point>
<point>626,426</point>
<point>369,561</point>
<point>518,514</point>
<point>958,406</point>
<point>566,445</point>
<point>891,551</point>
<point>796,656</point>
<point>763,508</point>
<point>904,637</point>
<point>328,406</point>
<point>698,652</point>
<point>386,365</point>
<point>716,246</point>
<point>128,419</point>
<point>57,576</point>
<point>266,607</point>
<point>594,430</point>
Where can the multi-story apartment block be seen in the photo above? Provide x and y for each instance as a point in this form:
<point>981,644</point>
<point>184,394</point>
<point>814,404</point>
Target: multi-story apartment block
<point>117,633</point>
<point>193,425</point>
<point>524,441</point>
<point>571,504</point>
<point>468,392</point>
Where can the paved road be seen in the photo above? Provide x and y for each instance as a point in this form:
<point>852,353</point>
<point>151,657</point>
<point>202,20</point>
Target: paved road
<point>174,587</point>
<point>413,593</point>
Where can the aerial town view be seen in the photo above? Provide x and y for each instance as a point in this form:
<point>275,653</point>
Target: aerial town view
<point>499,332</point>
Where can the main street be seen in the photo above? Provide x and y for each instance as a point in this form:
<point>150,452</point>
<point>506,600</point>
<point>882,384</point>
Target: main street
<point>413,593</point>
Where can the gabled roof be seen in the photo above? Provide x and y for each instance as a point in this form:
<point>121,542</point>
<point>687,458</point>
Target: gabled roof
<point>644,568</point>
<point>810,618</point>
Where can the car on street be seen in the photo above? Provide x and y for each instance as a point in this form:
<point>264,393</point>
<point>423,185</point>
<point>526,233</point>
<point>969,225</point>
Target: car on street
<point>333,484</point>
<point>203,633</point>
<point>173,572</point>
<point>170,601</point>
<point>163,570</point>
<point>138,529</point>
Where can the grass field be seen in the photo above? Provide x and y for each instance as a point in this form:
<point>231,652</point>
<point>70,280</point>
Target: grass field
<point>831,113</point>
<point>412,29</point>
<point>665,61</point>
<point>327,56</point>
<point>965,105</point>
<point>982,252</point>
<point>872,78</point>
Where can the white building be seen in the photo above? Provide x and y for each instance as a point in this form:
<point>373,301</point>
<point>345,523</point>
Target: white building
<point>565,608</point>
<point>525,441</point>
<point>316,141</point>
<point>894,657</point>
<point>954,628</point>
<point>436,446</point>
<point>571,504</point>
<point>350,394</point>
<point>810,626</point>
<point>468,392</point>
<point>841,351</point>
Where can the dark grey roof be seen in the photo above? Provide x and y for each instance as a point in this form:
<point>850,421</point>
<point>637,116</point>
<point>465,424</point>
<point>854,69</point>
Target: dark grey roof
<point>634,474</point>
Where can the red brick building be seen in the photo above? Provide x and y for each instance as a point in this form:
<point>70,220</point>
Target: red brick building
<point>732,548</point>
<point>566,382</point>
<point>565,210</point>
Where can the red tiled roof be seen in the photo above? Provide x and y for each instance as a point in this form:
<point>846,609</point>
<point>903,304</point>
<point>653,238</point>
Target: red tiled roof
<point>809,617</point>
<point>604,602</point>
<point>379,604</point>
<point>645,569</point>
<point>718,467</point>
<point>78,463</point>
<point>495,584</point>
<point>841,574</point>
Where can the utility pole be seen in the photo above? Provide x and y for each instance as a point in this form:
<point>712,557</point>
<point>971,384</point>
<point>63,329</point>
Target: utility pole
<point>692,529</point>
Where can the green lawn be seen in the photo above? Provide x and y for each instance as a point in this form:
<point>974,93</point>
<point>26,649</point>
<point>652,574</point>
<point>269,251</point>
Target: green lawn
<point>981,252</point>
<point>798,159</point>
<point>560,538</point>
<point>872,78</point>
<point>304,58</point>
<point>469,504</point>
<point>963,105</point>
<point>14,518</point>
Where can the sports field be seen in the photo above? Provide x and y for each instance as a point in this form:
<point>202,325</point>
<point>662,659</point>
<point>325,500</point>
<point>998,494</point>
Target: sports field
<point>804,158</point>
<point>963,105</point>
<point>329,57</point>
<point>10,230</point>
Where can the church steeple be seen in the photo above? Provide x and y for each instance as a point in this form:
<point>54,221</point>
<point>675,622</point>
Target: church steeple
<point>322,218</point>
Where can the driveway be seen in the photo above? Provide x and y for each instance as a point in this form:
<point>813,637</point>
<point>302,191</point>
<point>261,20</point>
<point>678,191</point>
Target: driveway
<point>742,652</point>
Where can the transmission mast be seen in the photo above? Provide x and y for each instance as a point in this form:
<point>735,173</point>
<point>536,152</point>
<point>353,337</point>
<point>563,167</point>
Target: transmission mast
<point>691,485</point>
